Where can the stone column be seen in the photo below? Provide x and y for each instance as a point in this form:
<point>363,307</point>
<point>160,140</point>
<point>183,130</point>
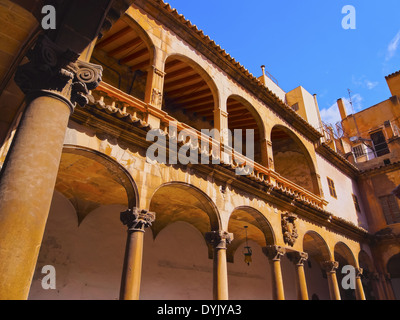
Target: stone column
<point>136,220</point>
<point>387,281</point>
<point>53,81</point>
<point>274,254</point>
<point>360,294</point>
<point>219,241</point>
<point>155,87</point>
<point>298,258</point>
<point>330,267</point>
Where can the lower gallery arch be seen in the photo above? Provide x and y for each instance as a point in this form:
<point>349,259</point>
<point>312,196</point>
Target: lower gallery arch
<point>393,268</point>
<point>177,262</point>
<point>84,239</point>
<point>253,281</point>
<point>345,257</point>
<point>318,252</point>
<point>368,282</point>
<point>292,160</point>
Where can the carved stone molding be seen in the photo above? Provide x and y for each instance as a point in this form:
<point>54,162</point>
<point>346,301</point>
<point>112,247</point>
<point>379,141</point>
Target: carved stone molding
<point>289,229</point>
<point>137,219</point>
<point>298,258</point>
<point>219,239</point>
<point>52,71</point>
<point>274,252</point>
<point>330,266</point>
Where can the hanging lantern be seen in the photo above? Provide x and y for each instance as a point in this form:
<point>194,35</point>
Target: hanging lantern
<point>247,250</point>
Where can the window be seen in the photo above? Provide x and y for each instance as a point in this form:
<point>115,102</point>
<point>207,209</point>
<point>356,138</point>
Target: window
<point>358,151</point>
<point>390,208</point>
<point>380,145</point>
<point>356,204</point>
<point>332,189</point>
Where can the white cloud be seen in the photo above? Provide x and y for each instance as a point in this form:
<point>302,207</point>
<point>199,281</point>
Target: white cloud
<point>370,85</point>
<point>363,82</point>
<point>393,46</point>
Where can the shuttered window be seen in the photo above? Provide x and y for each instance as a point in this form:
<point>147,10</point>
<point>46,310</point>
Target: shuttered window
<point>332,189</point>
<point>390,208</point>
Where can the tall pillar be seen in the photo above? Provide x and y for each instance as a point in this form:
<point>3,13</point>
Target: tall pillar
<point>388,286</point>
<point>377,286</point>
<point>53,82</point>
<point>330,267</point>
<point>219,241</point>
<point>298,259</point>
<point>274,254</point>
<point>360,294</point>
<point>136,220</point>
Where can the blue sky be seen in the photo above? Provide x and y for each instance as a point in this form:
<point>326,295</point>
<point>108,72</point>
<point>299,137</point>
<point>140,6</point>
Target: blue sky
<point>304,43</point>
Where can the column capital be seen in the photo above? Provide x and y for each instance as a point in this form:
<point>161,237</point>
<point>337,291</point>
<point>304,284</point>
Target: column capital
<point>54,71</point>
<point>330,266</point>
<point>359,272</point>
<point>219,239</point>
<point>298,258</point>
<point>274,252</point>
<point>136,219</point>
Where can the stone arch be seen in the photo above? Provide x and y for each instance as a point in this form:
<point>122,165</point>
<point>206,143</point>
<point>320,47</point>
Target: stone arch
<point>252,280</point>
<point>90,179</point>
<point>344,255</point>
<point>343,252</point>
<point>292,159</point>
<point>126,53</point>
<point>318,253</point>
<point>259,229</point>
<point>368,274</point>
<point>179,201</point>
<point>242,115</point>
<point>315,245</point>
<point>190,93</point>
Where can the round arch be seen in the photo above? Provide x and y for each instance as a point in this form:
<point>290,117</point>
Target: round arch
<point>342,253</point>
<point>259,229</point>
<point>316,247</point>
<point>190,93</point>
<point>179,201</point>
<point>242,115</point>
<point>126,53</point>
<point>90,179</point>
<point>292,159</point>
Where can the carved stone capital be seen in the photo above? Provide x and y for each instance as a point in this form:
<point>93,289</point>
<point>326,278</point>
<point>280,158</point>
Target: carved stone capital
<point>274,252</point>
<point>136,219</point>
<point>330,266</point>
<point>359,272</point>
<point>219,239</point>
<point>55,72</point>
<point>298,258</point>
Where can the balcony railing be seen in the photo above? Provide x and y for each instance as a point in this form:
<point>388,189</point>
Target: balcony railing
<point>123,105</point>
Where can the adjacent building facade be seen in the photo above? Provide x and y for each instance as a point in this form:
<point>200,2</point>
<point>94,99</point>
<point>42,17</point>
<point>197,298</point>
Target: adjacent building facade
<point>81,192</point>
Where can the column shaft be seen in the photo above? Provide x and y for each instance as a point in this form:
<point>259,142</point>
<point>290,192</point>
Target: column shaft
<point>274,254</point>
<point>132,272</point>
<point>219,241</point>
<point>220,275</point>
<point>278,292</point>
<point>330,267</point>
<point>26,189</point>
<point>137,221</point>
